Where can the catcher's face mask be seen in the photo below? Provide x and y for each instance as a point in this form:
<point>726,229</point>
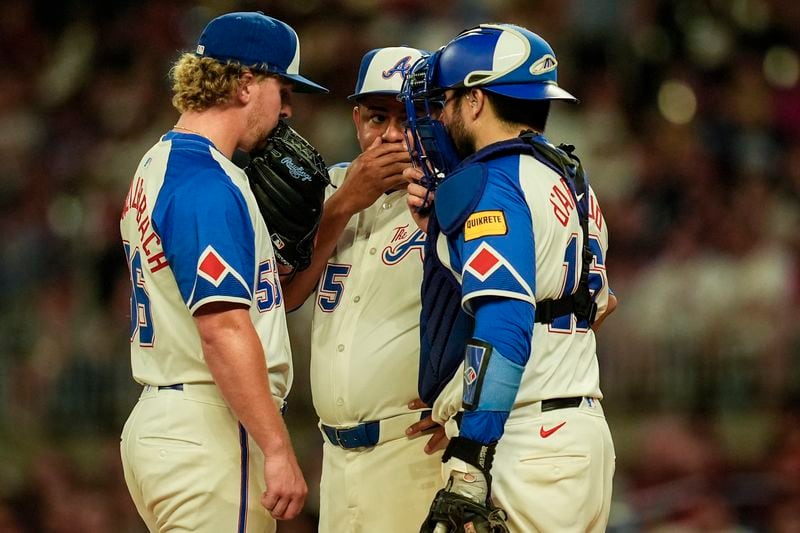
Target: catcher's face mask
<point>432,149</point>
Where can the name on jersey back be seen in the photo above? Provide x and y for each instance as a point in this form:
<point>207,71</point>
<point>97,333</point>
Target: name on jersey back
<point>149,239</point>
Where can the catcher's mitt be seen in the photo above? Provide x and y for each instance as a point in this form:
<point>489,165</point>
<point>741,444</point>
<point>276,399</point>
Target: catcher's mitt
<point>288,178</point>
<point>451,512</point>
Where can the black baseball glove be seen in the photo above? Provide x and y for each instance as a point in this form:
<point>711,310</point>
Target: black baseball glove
<point>465,504</point>
<point>451,512</point>
<point>288,178</point>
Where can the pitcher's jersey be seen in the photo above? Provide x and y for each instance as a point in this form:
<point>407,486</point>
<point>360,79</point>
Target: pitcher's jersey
<point>193,234</point>
<point>524,241</point>
<point>365,340</point>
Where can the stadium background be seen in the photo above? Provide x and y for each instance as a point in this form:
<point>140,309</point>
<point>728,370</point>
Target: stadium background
<point>689,126</point>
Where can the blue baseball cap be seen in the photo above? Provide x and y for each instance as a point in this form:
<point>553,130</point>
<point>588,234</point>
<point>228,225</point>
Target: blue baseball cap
<point>383,69</point>
<point>257,41</point>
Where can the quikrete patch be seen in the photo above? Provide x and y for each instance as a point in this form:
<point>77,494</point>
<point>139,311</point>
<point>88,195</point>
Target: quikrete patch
<point>485,224</point>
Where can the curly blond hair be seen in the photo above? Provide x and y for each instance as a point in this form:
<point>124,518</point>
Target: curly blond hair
<point>201,82</point>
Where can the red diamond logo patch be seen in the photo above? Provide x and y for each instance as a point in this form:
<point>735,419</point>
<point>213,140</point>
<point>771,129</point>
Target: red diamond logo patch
<point>470,375</point>
<point>484,262</point>
<point>212,266</point>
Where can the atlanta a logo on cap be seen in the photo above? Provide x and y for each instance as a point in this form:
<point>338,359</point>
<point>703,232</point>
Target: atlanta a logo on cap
<point>401,67</point>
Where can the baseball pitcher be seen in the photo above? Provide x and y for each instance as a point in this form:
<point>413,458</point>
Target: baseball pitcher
<point>205,448</point>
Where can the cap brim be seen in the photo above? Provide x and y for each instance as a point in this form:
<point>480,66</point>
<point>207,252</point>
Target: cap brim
<point>304,85</point>
<point>355,97</point>
<point>531,91</point>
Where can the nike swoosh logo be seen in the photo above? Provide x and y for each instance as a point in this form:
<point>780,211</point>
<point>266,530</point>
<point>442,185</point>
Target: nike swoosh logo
<point>544,433</point>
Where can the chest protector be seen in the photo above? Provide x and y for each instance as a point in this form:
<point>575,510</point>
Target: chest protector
<point>444,326</point>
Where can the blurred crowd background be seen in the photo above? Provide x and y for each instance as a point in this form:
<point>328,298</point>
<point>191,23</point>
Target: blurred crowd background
<point>689,125</point>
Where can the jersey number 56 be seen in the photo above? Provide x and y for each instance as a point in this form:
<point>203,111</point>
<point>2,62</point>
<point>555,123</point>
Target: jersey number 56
<point>141,317</point>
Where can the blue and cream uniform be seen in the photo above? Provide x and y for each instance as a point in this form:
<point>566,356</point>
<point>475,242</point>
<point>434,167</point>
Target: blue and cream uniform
<point>193,234</point>
<point>512,237</point>
<point>364,366</point>
<point>365,343</point>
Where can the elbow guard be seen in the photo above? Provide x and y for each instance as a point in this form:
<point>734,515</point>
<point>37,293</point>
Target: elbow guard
<point>490,380</point>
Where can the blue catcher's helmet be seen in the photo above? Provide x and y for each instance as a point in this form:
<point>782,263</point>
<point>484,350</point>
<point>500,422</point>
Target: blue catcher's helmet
<point>500,58</point>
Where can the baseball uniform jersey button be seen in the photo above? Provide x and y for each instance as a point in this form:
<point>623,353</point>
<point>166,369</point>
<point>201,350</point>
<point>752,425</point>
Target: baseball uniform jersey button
<point>339,401</point>
<point>357,299</point>
<point>340,347</point>
<point>372,251</point>
<point>386,205</point>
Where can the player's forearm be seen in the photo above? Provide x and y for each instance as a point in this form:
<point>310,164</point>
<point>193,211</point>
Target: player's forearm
<point>504,329</point>
<point>235,358</point>
<point>335,216</point>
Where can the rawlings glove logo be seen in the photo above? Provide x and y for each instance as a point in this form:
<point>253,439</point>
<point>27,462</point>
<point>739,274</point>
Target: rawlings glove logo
<point>295,170</point>
<point>277,241</point>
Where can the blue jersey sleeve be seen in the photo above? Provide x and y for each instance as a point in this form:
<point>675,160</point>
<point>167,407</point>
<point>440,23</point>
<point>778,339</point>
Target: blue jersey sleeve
<point>498,264</point>
<point>497,243</point>
<point>208,237</point>
<point>506,324</point>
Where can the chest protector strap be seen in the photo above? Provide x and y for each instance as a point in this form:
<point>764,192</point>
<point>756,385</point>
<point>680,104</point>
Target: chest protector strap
<point>566,164</point>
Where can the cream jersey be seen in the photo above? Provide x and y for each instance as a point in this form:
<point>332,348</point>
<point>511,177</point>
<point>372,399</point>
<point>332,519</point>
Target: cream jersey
<point>365,326</point>
<point>193,234</point>
<point>564,357</point>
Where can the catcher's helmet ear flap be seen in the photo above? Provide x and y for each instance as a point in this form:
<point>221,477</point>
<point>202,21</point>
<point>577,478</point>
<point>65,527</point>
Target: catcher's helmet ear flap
<point>502,58</point>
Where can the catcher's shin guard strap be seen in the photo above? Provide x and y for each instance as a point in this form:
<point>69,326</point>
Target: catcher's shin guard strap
<point>485,367</point>
<point>471,451</point>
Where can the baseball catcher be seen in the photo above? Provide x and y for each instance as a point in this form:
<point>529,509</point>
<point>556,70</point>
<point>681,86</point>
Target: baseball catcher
<point>523,234</point>
<point>288,178</point>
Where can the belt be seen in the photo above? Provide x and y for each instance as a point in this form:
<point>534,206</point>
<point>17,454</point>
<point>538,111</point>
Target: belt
<point>206,391</point>
<point>544,406</point>
<point>369,434</point>
<point>561,403</point>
